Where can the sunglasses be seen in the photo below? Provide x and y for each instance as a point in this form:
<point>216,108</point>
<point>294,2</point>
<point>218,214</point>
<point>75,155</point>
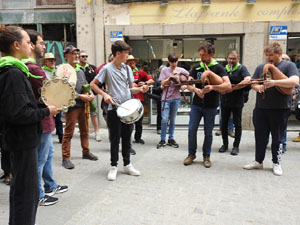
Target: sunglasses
<point>84,56</point>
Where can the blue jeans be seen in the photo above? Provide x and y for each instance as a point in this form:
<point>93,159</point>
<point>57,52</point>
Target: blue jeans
<point>45,155</point>
<point>169,113</point>
<point>196,115</point>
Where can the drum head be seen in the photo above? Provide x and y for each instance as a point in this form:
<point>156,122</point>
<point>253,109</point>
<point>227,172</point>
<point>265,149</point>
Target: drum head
<point>66,70</point>
<point>132,105</point>
<point>58,92</point>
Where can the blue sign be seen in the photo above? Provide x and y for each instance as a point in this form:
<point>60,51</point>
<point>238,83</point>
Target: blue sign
<point>116,35</point>
<point>278,32</point>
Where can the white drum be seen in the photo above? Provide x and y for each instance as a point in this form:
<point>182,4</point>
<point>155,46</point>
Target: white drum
<point>130,111</point>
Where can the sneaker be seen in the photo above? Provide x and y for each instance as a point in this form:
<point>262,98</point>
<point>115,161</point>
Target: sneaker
<point>235,151</point>
<point>284,150</point>
<point>277,169</point>
<point>206,161</point>
<point>112,174</point>
<point>297,139</point>
<point>161,144</point>
<point>47,200</point>
<point>132,151</point>
<point>218,133</point>
<point>90,156</point>
<point>129,169</point>
<point>231,133</point>
<point>97,137</point>
<point>68,164</point>
<point>189,160</point>
<point>223,149</point>
<point>58,190</point>
<point>141,141</point>
<point>253,165</point>
<point>172,143</point>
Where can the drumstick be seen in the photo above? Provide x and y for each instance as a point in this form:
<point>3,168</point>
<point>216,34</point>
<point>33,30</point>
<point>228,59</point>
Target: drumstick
<point>120,106</point>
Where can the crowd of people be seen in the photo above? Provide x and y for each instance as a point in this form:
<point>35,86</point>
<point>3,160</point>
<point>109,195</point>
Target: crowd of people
<point>26,124</point>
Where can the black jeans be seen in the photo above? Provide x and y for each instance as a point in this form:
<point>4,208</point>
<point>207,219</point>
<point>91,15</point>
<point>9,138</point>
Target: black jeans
<point>158,118</point>
<point>237,121</point>
<point>24,189</point>
<point>119,130</point>
<point>266,121</point>
<point>5,161</point>
<point>138,129</point>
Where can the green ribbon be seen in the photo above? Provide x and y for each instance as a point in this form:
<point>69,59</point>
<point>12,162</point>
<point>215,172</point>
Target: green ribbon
<point>77,67</point>
<point>48,69</point>
<point>233,69</point>
<point>135,70</point>
<point>213,62</point>
<point>12,61</point>
<point>84,67</point>
<point>87,89</point>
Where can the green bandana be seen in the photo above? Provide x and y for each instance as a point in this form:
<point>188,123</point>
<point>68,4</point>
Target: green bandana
<point>48,69</point>
<point>12,61</point>
<point>233,69</point>
<point>202,66</point>
<point>77,67</point>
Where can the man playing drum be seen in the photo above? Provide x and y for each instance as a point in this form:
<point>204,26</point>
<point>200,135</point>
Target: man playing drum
<point>76,113</point>
<point>119,78</point>
<point>272,107</point>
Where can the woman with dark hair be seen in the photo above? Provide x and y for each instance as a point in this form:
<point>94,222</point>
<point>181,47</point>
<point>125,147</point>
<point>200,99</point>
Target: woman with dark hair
<point>22,124</point>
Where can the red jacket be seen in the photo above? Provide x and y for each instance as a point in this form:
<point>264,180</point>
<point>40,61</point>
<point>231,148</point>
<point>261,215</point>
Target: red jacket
<point>140,75</point>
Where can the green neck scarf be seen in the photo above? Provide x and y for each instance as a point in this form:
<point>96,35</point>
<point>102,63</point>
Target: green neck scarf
<point>29,60</point>
<point>135,70</point>
<point>84,67</point>
<point>48,69</point>
<point>233,69</point>
<point>77,67</point>
<point>12,61</point>
<point>213,62</point>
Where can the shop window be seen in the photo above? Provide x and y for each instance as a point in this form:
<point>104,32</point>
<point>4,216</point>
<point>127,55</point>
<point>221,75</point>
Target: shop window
<point>54,2</point>
<point>59,32</point>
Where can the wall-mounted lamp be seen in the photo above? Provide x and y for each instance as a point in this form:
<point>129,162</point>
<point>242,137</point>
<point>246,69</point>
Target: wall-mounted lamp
<point>164,3</point>
<point>206,2</point>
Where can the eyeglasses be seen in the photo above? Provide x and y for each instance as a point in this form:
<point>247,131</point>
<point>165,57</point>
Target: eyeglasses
<point>84,56</point>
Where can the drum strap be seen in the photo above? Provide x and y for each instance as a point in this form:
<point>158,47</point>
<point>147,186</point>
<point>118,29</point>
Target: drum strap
<point>128,80</point>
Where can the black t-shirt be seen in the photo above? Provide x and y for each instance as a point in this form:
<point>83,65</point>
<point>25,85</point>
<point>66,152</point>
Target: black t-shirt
<point>211,99</point>
<point>235,99</point>
<point>273,98</point>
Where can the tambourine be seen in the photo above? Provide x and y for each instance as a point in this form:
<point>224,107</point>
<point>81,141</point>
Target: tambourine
<point>58,92</point>
<point>66,71</point>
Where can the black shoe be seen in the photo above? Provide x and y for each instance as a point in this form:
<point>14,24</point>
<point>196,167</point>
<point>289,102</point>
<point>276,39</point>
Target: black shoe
<point>60,140</point>
<point>47,200</point>
<point>67,164</point>
<point>59,189</point>
<point>161,144</point>
<point>235,151</point>
<point>132,151</point>
<point>172,143</point>
<point>223,148</point>
<point>90,156</point>
<point>141,141</point>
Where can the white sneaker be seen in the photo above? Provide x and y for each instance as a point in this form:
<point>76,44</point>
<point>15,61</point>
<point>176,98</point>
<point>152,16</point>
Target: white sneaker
<point>277,169</point>
<point>253,165</point>
<point>129,169</point>
<point>97,137</point>
<point>112,174</point>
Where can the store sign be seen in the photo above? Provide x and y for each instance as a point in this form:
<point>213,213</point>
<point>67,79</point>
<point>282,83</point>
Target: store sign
<point>116,36</point>
<point>278,32</point>
<point>217,11</point>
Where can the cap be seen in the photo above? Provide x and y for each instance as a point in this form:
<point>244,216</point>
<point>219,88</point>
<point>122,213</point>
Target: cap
<point>70,48</point>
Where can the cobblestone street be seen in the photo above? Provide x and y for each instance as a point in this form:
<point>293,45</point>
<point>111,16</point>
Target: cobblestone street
<point>170,193</point>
